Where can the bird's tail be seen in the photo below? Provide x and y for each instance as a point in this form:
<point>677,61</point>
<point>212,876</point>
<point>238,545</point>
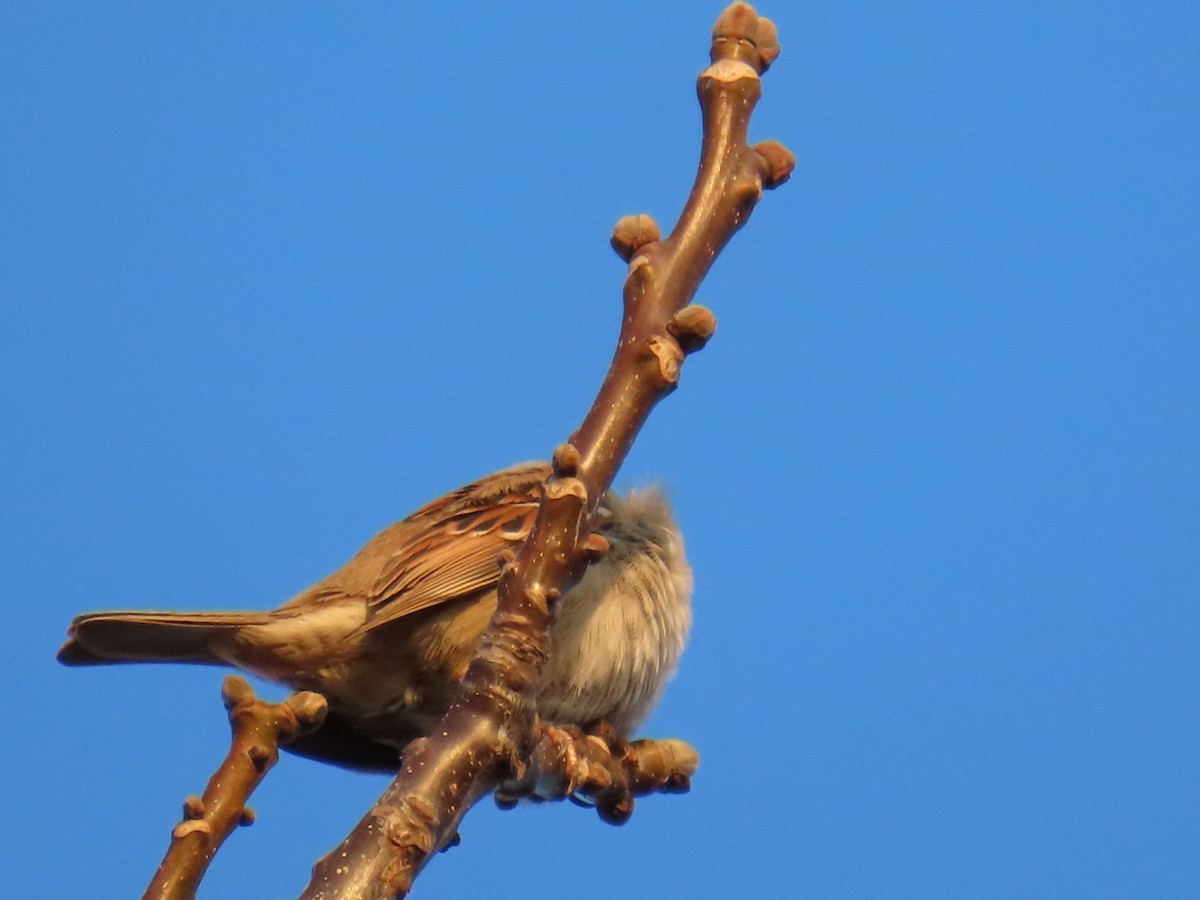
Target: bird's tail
<point>120,637</point>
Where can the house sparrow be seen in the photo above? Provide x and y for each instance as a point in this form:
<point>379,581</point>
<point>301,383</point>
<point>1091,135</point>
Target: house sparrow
<point>387,637</point>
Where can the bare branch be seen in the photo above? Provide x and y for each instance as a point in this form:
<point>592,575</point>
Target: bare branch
<point>258,729</point>
<point>487,735</point>
<point>664,274</point>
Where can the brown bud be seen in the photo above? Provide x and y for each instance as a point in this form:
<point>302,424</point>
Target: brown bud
<point>632,233</point>
<point>616,812</point>
<point>778,162</point>
<point>566,460</point>
<point>741,33</point>
<point>309,708</point>
<point>193,808</point>
<point>767,41</point>
<point>247,817</point>
<point>692,326</point>
<point>235,690</point>
<point>594,546</point>
<point>598,778</point>
<point>677,783</point>
<point>505,801</point>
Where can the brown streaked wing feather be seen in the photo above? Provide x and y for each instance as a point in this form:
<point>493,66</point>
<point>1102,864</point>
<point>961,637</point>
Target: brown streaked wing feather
<point>456,551</point>
<point>516,483</point>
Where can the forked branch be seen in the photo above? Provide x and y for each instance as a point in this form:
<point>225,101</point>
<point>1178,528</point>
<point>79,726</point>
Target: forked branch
<point>487,736</point>
<point>258,729</point>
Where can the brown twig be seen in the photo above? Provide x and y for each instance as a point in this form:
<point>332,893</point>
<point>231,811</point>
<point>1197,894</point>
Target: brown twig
<point>258,730</point>
<point>487,733</point>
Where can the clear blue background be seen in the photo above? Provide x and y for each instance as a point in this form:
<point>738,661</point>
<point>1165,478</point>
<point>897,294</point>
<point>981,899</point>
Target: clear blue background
<point>276,273</point>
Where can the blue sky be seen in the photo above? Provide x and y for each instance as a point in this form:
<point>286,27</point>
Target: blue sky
<point>276,274</point>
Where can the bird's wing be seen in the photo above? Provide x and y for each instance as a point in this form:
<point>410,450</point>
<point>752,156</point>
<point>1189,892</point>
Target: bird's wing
<point>452,547</point>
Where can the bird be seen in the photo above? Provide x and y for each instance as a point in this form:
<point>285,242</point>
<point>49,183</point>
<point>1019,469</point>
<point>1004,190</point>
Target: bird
<point>388,637</point>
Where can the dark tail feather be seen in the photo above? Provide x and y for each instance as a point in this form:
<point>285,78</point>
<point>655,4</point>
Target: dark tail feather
<point>118,637</point>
